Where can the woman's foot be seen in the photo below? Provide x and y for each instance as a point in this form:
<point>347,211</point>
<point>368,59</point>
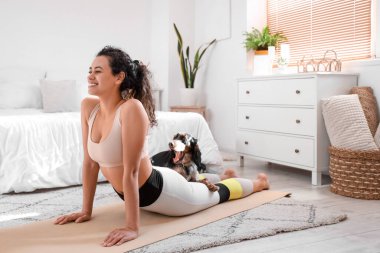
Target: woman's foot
<point>260,183</point>
<point>228,173</point>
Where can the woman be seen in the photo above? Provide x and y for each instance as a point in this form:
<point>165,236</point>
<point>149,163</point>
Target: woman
<point>114,130</point>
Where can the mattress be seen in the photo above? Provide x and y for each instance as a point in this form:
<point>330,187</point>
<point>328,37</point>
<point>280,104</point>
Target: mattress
<point>39,150</point>
<point>44,150</point>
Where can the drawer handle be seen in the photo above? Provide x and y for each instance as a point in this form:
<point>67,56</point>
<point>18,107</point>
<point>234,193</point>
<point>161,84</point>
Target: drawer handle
<point>298,121</point>
<point>296,151</point>
<point>246,142</point>
<point>298,91</point>
<point>246,117</point>
<point>247,92</point>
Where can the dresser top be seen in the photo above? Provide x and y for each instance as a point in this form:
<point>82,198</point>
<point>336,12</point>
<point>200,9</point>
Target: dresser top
<point>297,75</point>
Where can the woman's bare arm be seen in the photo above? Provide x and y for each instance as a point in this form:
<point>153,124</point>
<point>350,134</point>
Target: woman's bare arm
<point>90,171</point>
<point>135,123</point>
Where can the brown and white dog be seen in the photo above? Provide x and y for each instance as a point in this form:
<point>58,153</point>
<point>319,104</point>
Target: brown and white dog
<point>186,159</point>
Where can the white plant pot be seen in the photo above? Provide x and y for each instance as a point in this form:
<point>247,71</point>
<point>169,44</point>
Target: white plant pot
<point>188,96</point>
<point>250,56</point>
<point>262,65</point>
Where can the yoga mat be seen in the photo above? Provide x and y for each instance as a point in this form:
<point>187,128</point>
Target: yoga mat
<point>44,236</point>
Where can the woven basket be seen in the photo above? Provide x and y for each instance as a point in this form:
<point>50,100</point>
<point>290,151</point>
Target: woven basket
<point>355,174</point>
<point>369,105</point>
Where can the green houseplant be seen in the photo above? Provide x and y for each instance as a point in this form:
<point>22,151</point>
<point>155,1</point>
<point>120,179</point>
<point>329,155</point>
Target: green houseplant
<point>188,69</point>
<point>260,40</point>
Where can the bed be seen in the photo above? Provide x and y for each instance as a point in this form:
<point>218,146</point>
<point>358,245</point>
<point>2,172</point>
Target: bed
<point>44,150</point>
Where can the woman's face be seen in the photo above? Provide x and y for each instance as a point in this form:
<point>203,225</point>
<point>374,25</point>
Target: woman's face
<point>100,79</point>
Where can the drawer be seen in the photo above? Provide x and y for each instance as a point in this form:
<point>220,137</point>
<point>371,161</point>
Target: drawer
<point>278,119</point>
<point>288,149</point>
<point>300,91</point>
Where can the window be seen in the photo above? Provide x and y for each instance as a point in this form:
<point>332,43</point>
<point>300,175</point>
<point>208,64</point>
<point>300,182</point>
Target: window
<point>314,26</point>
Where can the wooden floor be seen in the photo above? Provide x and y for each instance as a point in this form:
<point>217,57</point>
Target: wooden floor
<point>360,233</point>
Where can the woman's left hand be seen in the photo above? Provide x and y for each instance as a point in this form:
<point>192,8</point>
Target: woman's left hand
<point>119,236</point>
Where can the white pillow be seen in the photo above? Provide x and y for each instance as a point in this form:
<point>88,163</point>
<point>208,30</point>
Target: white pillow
<point>71,74</point>
<point>346,124</point>
<point>60,96</point>
<point>15,95</point>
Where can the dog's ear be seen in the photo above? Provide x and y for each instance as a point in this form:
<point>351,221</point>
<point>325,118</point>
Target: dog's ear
<point>194,141</point>
<point>197,156</point>
<point>177,136</point>
<point>189,140</point>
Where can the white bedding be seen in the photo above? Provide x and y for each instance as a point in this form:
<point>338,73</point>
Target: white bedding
<point>44,150</point>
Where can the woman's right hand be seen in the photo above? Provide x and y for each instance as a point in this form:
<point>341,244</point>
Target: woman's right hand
<point>74,217</point>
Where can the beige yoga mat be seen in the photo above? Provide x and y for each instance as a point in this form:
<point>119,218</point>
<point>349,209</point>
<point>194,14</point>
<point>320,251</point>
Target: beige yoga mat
<point>43,236</point>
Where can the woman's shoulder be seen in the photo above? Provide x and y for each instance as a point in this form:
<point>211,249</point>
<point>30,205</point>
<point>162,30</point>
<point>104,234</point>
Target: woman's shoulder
<point>92,99</point>
<point>132,106</point>
<point>88,104</point>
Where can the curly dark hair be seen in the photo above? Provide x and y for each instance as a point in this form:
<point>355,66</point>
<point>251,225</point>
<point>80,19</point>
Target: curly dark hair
<point>137,78</point>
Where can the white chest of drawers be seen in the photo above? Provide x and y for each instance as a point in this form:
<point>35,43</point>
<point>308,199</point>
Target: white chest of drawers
<point>280,118</point>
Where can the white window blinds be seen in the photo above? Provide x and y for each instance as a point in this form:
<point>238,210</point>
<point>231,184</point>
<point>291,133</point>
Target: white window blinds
<point>314,26</point>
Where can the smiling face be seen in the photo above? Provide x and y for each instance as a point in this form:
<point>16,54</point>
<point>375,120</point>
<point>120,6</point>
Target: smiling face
<point>101,81</point>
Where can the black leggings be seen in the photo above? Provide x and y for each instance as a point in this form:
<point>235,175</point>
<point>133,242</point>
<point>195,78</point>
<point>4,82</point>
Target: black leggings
<point>150,190</point>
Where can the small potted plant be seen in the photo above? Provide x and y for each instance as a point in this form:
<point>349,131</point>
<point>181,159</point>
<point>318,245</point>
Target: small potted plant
<point>260,41</point>
<point>189,70</point>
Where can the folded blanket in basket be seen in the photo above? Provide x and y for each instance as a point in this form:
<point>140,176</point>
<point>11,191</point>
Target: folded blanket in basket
<point>346,123</point>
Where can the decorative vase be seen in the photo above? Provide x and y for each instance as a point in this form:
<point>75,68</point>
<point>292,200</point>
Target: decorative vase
<point>282,64</point>
<point>272,53</point>
<point>189,96</point>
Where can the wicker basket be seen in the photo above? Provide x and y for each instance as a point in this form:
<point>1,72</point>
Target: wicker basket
<point>355,174</point>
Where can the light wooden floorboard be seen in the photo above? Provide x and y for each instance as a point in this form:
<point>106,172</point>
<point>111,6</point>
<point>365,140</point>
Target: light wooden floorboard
<point>359,233</point>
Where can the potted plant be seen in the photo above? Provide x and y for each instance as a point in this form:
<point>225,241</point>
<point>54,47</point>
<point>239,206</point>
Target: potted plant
<point>188,69</point>
<point>260,41</point>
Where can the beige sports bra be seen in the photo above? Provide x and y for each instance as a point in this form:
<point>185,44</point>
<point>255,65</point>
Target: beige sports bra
<point>108,152</point>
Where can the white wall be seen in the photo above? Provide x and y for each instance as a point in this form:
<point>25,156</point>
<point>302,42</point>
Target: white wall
<point>256,14</point>
<point>369,74</point>
<point>376,30</point>
<point>65,35</point>
<point>222,65</point>
<point>182,14</point>
<point>163,53</point>
<point>159,49</point>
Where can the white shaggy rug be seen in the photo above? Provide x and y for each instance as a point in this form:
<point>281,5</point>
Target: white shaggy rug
<point>279,216</point>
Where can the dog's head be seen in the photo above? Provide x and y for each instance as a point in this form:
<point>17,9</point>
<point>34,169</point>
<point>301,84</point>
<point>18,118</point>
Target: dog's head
<point>188,146</point>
